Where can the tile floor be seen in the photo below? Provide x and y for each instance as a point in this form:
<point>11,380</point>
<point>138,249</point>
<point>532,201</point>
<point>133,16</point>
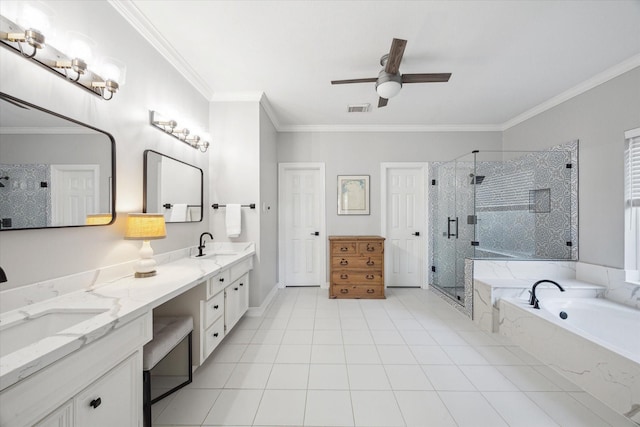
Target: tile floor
<point>409,360</point>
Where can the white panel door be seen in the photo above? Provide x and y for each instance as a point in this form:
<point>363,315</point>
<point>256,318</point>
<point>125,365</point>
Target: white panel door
<point>405,226</point>
<point>302,239</point>
<point>74,193</point>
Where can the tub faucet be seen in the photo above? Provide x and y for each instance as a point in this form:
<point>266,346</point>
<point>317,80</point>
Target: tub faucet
<point>534,300</point>
<point>201,247</point>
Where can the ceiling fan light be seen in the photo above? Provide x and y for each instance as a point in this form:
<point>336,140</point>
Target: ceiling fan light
<point>388,85</point>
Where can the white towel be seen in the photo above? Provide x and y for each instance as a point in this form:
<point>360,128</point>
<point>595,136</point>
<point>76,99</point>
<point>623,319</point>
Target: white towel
<point>178,213</point>
<point>233,220</point>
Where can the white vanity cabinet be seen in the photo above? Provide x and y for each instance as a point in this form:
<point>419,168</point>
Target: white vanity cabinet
<point>216,305</point>
<point>108,374</point>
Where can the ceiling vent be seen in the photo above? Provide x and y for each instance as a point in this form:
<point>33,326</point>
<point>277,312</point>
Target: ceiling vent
<point>358,108</point>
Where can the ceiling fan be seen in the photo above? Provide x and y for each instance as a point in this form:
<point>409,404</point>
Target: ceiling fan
<point>389,80</point>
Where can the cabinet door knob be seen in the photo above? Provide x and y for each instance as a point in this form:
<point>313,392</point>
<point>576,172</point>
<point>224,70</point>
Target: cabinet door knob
<point>222,279</point>
<point>215,335</point>
<point>215,307</point>
<point>235,289</point>
<point>95,403</point>
<point>344,262</point>
<point>241,284</point>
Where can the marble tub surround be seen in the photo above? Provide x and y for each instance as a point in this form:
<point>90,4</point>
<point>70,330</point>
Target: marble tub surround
<point>116,302</point>
<point>488,291</point>
<point>524,269</point>
<point>606,372</point>
<point>618,289</point>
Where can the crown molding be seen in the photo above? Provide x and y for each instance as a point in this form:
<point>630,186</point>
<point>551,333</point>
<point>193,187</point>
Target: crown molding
<point>390,128</point>
<point>579,89</point>
<point>141,24</point>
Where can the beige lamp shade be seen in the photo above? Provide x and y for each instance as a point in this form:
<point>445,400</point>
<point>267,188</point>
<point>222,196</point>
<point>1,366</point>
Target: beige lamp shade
<point>141,226</point>
<point>99,219</point>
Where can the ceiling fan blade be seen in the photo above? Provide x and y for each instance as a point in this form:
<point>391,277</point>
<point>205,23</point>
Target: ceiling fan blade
<point>367,80</point>
<point>395,56</point>
<point>426,78</point>
<point>382,102</point>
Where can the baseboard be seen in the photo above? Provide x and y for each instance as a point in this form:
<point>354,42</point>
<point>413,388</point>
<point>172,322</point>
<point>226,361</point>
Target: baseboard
<point>259,311</point>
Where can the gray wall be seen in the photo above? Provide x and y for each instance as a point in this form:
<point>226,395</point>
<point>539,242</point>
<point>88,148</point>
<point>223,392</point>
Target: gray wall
<point>151,83</point>
<point>360,153</point>
<point>598,118</point>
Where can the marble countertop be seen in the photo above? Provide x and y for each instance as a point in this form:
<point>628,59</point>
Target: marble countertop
<point>117,303</point>
<point>510,282</point>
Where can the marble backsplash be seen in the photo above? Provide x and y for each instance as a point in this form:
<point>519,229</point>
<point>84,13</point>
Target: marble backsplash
<point>618,289</point>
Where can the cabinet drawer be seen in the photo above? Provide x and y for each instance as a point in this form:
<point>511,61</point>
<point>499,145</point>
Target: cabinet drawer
<point>370,248</point>
<point>343,248</point>
<point>356,277</point>
<point>213,309</point>
<point>212,337</point>
<point>357,291</point>
<point>217,283</point>
<point>112,400</point>
<point>236,271</point>
<point>374,261</point>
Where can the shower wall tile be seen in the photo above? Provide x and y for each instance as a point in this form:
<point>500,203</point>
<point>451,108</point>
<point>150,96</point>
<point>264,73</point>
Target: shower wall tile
<point>618,289</point>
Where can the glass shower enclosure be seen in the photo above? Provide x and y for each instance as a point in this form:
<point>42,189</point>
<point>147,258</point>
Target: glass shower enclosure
<point>499,205</point>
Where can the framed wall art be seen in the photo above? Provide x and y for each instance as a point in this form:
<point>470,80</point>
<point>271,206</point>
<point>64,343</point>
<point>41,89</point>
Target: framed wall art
<point>353,194</point>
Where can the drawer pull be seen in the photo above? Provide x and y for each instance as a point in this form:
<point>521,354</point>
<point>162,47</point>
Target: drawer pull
<point>370,262</point>
<point>241,284</point>
<point>344,262</point>
<point>95,403</point>
<point>344,249</point>
<point>344,291</point>
<point>215,307</point>
<point>235,289</point>
<point>344,276</point>
<point>370,248</point>
<point>221,279</point>
<point>370,276</point>
<point>215,335</point>
<point>370,291</point>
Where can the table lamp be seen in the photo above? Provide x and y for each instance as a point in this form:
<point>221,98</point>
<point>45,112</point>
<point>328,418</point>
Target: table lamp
<point>145,227</point>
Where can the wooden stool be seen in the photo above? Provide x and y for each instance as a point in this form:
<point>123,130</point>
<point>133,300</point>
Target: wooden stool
<point>168,332</point>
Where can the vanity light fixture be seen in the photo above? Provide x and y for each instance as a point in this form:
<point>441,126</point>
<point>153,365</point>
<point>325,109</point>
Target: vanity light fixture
<point>145,227</point>
<point>72,68</point>
<point>184,135</point>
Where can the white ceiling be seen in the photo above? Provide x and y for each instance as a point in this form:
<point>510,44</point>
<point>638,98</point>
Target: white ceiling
<point>508,59</point>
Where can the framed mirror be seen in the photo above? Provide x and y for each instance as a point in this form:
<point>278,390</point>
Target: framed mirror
<point>54,171</point>
<point>172,188</point>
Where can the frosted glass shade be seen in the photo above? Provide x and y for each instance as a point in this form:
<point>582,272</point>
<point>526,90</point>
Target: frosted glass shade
<point>388,89</point>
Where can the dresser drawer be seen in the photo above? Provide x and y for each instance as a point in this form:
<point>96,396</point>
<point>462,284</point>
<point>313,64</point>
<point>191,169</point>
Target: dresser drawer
<point>357,291</point>
<point>217,283</point>
<point>356,262</point>
<point>347,248</point>
<point>213,309</point>
<point>212,337</point>
<point>370,248</point>
<point>356,277</point>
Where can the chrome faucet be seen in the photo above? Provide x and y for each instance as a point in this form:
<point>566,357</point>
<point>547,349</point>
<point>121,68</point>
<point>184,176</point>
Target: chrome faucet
<point>201,247</point>
<point>534,300</point>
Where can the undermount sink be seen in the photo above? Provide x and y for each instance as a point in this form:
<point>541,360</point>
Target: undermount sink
<point>22,333</point>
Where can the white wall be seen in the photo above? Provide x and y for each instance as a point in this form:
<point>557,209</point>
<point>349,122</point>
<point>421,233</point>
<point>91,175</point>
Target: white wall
<point>268,206</point>
<point>598,118</point>
<point>360,153</point>
<point>151,83</point>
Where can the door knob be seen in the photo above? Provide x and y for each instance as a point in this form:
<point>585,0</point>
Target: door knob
<point>417,233</point>
<point>315,233</point>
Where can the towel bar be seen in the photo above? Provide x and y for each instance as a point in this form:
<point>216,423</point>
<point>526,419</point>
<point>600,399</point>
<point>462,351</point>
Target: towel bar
<point>250,206</point>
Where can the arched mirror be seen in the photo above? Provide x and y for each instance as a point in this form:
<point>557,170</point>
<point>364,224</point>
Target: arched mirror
<point>54,171</point>
<point>172,188</point>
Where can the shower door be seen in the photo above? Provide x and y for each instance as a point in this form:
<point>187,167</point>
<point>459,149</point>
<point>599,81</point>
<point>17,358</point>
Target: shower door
<point>454,229</point>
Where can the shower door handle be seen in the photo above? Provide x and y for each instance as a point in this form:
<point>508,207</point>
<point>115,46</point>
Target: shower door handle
<point>449,221</point>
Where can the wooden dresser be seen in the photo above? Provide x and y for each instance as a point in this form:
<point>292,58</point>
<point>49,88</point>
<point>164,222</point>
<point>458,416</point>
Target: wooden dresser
<point>357,267</point>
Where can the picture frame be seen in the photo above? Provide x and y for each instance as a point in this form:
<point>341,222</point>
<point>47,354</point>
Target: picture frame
<point>353,194</point>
